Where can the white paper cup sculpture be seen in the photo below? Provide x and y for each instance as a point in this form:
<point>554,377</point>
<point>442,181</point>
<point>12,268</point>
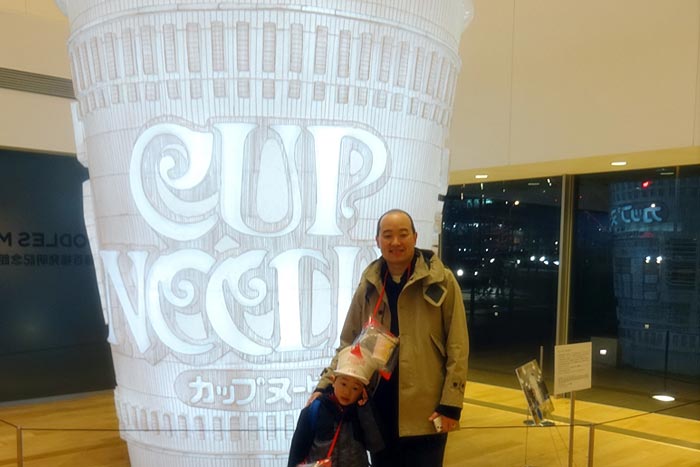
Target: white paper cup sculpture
<point>240,153</point>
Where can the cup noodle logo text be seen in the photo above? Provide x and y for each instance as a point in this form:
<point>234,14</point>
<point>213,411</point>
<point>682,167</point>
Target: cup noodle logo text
<point>258,222</point>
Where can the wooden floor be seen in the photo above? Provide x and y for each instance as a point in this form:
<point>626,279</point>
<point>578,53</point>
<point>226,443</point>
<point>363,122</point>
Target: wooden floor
<point>494,434</point>
<point>81,431</point>
<point>78,431</point>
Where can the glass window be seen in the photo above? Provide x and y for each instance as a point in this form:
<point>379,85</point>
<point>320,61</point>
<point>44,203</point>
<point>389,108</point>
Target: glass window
<point>635,279</point>
<point>635,285</point>
<point>501,239</point>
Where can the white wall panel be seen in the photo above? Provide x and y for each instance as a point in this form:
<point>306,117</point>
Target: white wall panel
<point>481,120</point>
<point>34,42</point>
<point>33,121</point>
<point>587,78</point>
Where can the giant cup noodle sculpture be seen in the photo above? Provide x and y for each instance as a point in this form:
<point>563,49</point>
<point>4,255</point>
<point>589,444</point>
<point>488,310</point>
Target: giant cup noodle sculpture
<point>240,154</point>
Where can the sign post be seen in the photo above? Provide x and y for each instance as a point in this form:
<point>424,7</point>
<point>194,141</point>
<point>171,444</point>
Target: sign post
<point>572,372</point>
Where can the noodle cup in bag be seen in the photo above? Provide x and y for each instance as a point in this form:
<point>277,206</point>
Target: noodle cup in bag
<point>380,344</point>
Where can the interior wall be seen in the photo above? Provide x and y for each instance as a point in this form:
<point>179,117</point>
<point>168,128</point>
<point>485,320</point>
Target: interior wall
<point>52,334</point>
<point>546,80</point>
<point>33,37</point>
<point>564,79</point>
<point>39,123</point>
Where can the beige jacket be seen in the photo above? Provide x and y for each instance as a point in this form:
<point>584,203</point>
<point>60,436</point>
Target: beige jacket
<point>434,344</point>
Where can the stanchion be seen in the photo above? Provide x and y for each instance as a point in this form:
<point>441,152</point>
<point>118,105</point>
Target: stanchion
<point>20,454</point>
<point>591,440</point>
<point>571,431</point>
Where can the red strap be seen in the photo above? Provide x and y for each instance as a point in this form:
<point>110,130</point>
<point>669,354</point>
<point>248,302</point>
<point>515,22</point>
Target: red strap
<point>335,438</point>
<point>381,295</point>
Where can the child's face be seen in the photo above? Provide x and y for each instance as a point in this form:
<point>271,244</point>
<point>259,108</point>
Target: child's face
<point>347,389</point>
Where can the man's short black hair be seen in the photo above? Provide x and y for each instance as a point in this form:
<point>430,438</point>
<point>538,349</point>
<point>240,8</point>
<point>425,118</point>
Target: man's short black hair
<point>395,211</point>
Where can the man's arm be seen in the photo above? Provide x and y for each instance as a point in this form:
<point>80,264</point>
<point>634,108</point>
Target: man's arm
<point>456,349</point>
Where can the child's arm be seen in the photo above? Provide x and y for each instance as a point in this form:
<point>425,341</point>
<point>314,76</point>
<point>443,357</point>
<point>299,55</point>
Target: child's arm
<point>302,440</point>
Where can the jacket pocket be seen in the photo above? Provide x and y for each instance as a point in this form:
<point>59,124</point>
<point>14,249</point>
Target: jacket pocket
<point>435,294</point>
<point>438,345</point>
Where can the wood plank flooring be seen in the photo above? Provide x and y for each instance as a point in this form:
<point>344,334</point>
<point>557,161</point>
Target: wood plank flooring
<point>82,431</point>
<point>493,434</point>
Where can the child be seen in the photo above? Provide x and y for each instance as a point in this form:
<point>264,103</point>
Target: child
<point>336,425</point>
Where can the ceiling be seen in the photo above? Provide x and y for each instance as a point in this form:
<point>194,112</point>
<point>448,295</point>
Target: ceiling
<point>583,165</point>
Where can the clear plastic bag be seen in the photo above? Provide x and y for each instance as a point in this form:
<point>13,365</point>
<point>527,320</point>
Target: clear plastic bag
<point>380,344</point>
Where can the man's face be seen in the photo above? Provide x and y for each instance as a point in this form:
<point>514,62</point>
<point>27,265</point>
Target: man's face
<point>396,240</point>
<point>347,390</point>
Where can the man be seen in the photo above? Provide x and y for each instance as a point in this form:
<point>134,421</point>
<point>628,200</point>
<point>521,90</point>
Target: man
<point>418,299</point>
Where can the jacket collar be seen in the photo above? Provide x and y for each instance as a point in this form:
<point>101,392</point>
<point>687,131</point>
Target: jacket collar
<point>426,267</point>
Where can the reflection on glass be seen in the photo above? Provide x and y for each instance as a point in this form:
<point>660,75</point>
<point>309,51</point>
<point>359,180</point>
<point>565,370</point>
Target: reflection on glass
<point>635,277</point>
<point>502,241</point>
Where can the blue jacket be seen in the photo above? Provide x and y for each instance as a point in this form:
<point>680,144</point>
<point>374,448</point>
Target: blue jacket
<point>316,428</point>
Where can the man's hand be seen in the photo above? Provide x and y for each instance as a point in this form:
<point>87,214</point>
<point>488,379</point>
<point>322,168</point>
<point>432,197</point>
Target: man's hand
<point>448,424</point>
<point>314,395</point>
